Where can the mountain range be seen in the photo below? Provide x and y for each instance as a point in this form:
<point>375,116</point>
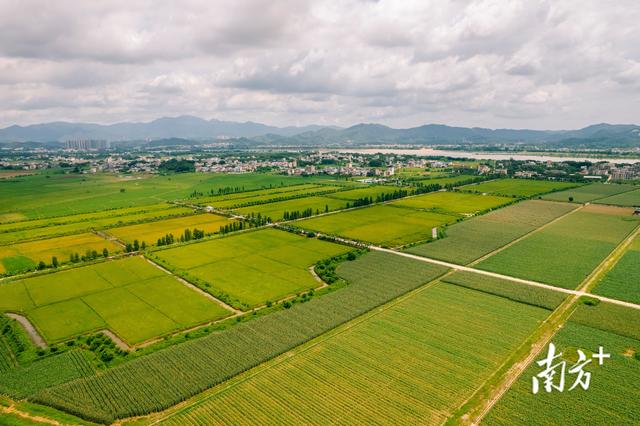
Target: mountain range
<point>199,130</point>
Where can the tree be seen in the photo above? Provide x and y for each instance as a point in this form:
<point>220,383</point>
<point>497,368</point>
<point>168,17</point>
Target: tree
<point>136,245</point>
<point>105,252</point>
<point>351,256</point>
<point>41,265</point>
<point>570,199</point>
<point>54,262</point>
<point>143,246</point>
<point>128,248</point>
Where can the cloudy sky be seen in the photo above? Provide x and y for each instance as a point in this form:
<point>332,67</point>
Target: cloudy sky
<point>490,63</point>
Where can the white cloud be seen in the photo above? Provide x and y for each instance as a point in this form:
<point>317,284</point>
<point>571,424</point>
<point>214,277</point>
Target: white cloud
<point>493,63</point>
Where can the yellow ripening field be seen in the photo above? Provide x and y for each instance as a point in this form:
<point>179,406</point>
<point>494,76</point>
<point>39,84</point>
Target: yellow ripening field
<point>151,231</point>
<point>16,256</point>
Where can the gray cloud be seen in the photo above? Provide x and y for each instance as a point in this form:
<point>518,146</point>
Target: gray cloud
<point>494,63</point>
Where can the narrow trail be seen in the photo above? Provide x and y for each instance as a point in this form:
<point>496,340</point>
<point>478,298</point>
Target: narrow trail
<point>12,410</point>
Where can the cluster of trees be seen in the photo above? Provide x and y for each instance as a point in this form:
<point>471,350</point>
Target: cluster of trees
<point>364,201</point>
<point>187,235</point>
<point>423,189</point>
<point>232,227</point>
<point>258,219</point>
<point>135,246</point>
<point>388,196</point>
<point>299,214</point>
<point>177,166</point>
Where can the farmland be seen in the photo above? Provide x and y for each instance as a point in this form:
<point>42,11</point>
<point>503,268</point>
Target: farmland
<point>48,195</point>
<point>469,240</point>
<point>268,324</point>
<point>140,386</point>
<point>587,193</point>
<point>380,224</point>
<point>610,399</point>
<point>276,210</point>
<point>112,295</point>
<point>252,268</point>
<point>408,364</point>
<point>453,202</point>
<point>517,187</point>
<point>64,225</point>
<point>564,253</point>
<point>629,199</point>
<point>150,232</point>
<point>270,197</point>
<point>623,281</point>
<point>23,256</point>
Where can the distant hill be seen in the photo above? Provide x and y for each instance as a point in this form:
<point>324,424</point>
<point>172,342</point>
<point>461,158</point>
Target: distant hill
<point>186,127</point>
<point>188,130</point>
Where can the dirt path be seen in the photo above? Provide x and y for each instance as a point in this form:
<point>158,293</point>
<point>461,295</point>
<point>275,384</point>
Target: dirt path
<point>35,419</point>
<point>118,341</point>
<point>109,237</point>
<point>30,329</point>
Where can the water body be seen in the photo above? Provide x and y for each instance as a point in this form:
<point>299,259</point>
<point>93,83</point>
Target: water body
<point>428,152</point>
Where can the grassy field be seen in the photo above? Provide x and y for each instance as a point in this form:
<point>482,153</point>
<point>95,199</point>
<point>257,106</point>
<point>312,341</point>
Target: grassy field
<point>623,281</point>
<point>629,198</point>
<point>55,194</point>
<point>276,210</point>
<point>609,317</point>
<point>18,257</point>
<point>566,252</point>
<point>371,191</point>
<point>270,197</point>
<point>251,268</point>
<point>587,193</point>
<point>469,240</point>
<point>380,224</point>
<point>134,299</point>
<point>11,233</point>
<point>410,364</point>
<point>530,295</point>
<point>150,232</point>
<point>141,386</point>
<point>518,187</point>
<point>611,398</point>
<point>452,202</point>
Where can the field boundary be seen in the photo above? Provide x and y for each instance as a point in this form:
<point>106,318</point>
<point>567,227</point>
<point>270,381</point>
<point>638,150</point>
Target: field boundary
<point>31,330</point>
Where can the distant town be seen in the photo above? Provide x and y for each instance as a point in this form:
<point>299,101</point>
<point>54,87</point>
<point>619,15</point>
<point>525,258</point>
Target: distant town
<point>94,156</point>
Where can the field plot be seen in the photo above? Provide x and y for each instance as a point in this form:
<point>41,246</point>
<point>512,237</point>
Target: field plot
<point>150,232</point>
<point>371,191</point>
<point>48,195</point>
<point>18,257</point>
<point>613,391</point>
<point>204,200</point>
<point>380,224</point>
<point>518,187</point>
<point>629,199</point>
<point>276,210</point>
<point>75,224</point>
<point>262,198</point>
<point>469,240</point>
<point>530,295</point>
<point>140,386</point>
<point>453,202</point>
<point>587,193</point>
<point>252,268</point>
<point>623,281</point>
<point>564,253</point>
<point>410,364</point>
<point>133,298</point>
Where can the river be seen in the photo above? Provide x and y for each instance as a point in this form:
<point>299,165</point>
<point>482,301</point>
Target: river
<point>428,152</point>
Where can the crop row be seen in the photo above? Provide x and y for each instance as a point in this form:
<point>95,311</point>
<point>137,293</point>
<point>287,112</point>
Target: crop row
<point>167,377</point>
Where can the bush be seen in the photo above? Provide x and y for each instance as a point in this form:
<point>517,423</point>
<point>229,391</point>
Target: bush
<point>351,256</point>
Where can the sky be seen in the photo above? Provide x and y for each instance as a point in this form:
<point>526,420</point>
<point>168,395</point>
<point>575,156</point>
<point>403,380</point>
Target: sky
<point>536,64</point>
